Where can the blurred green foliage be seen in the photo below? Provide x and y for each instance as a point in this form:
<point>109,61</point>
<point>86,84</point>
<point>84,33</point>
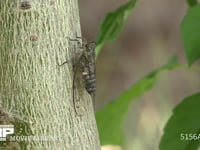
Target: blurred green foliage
<point>112,24</point>
<point>183,129</point>
<point>110,119</point>
<point>185,118</point>
<point>191,35</point>
<point>192,3</point>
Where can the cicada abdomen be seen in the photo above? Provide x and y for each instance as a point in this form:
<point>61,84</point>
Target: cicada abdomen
<point>88,69</point>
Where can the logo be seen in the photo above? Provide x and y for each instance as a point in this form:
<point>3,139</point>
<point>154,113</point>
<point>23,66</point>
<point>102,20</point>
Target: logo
<point>5,130</point>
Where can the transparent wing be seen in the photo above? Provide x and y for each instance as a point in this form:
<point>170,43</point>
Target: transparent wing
<point>78,85</point>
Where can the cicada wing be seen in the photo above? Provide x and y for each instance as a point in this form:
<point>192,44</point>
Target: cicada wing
<point>78,86</point>
<point>84,77</point>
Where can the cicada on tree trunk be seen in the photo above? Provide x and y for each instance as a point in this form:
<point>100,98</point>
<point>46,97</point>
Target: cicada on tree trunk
<point>83,72</point>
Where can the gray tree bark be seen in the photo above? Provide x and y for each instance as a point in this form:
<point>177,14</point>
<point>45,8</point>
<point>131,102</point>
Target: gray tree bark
<point>35,92</point>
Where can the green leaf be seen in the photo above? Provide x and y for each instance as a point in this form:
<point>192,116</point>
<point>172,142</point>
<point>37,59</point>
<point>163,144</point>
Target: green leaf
<point>184,121</point>
<point>112,24</point>
<point>192,3</point>
<point>190,30</point>
<point>110,119</point>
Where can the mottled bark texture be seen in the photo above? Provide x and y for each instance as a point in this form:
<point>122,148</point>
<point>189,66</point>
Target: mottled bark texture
<point>35,92</point>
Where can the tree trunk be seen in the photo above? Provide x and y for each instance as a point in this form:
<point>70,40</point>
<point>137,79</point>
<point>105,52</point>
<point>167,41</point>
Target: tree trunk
<point>35,91</point>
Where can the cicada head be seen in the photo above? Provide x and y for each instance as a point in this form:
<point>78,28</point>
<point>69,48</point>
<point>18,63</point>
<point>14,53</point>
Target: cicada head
<point>90,50</point>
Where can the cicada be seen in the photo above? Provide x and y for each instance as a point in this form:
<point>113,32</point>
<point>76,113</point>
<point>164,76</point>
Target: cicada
<point>84,74</point>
